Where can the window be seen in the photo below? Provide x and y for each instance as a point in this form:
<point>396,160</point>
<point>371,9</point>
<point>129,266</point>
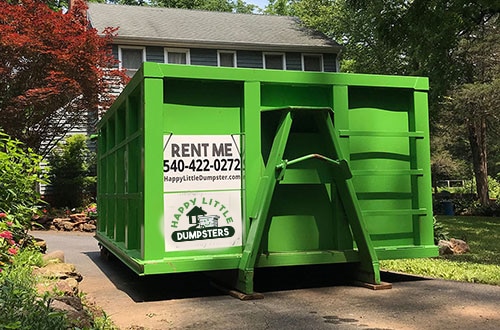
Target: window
<point>226,58</point>
<point>177,56</point>
<point>274,61</point>
<point>312,62</point>
<point>131,59</point>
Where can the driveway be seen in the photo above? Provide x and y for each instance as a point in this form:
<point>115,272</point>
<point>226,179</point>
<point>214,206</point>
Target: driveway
<point>294,298</point>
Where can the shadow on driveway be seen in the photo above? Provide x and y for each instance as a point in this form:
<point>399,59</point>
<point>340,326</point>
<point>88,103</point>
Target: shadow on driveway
<point>198,284</point>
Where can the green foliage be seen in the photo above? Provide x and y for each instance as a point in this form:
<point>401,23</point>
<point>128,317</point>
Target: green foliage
<point>20,174</point>
<point>440,231</point>
<point>465,200</point>
<point>493,188</point>
<point>480,265</point>
<point>20,306</point>
<point>448,160</point>
<point>237,6</point>
<point>365,49</point>
<point>9,246</point>
<point>469,187</point>
<point>70,166</point>
<point>280,7</point>
<point>424,35</point>
<point>478,106</point>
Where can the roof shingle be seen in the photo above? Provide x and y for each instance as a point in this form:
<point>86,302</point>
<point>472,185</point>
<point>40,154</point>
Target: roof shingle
<point>195,27</point>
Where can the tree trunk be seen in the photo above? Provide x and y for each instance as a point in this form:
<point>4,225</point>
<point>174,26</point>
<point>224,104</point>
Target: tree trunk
<point>477,140</point>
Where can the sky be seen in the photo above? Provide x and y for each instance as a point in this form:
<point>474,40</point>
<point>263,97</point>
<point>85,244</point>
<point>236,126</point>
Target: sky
<point>259,3</point>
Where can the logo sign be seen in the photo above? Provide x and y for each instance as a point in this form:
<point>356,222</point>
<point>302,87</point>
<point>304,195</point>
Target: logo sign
<point>202,220</point>
<point>202,192</point>
<point>201,162</point>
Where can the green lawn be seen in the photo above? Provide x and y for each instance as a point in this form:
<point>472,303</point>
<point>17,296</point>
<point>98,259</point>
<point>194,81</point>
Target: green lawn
<point>481,265</point>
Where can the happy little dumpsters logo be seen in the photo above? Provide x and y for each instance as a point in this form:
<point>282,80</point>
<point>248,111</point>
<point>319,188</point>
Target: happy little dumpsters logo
<point>202,226</point>
<point>202,220</point>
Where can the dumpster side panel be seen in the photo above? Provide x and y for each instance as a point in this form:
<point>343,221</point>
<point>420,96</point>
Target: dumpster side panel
<point>121,177</point>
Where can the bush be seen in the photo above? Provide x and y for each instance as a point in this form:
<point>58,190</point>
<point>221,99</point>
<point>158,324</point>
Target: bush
<point>490,210</point>
<point>70,173</point>
<point>20,174</point>
<point>440,231</point>
<point>20,306</point>
<point>8,245</point>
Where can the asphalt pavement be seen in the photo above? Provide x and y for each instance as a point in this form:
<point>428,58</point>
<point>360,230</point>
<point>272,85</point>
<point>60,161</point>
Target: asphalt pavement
<point>294,298</point>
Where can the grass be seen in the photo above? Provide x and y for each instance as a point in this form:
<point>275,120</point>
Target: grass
<point>481,265</point>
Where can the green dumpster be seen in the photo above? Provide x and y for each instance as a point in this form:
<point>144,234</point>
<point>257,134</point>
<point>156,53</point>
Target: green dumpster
<point>205,168</point>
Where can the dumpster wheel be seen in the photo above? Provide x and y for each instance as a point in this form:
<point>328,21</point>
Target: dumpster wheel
<point>104,252</point>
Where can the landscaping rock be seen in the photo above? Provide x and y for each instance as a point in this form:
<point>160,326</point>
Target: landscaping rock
<point>78,217</point>
<point>74,222</point>
<point>58,271</point>
<point>58,221</point>
<point>72,301</point>
<point>453,246</point>
<point>445,247</point>
<point>41,244</point>
<point>459,246</point>
<point>54,255</point>
<point>89,227</point>
<point>68,286</point>
<point>78,317</point>
<point>68,226</point>
<point>60,281</point>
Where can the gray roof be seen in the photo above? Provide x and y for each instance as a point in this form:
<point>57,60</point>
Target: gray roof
<point>192,28</point>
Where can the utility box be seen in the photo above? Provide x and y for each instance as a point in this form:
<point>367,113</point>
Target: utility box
<point>204,168</point>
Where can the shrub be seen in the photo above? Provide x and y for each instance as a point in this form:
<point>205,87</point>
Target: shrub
<point>493,188</point>
<point>490,210</point>
<point>440,231</point>
<point>20,306</point>
<point>8,246</point>
<point>70,169</point>
<point>20,174</point>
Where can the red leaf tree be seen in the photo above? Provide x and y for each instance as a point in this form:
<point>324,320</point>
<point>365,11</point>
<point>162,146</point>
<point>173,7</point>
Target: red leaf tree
<point>54,71</point>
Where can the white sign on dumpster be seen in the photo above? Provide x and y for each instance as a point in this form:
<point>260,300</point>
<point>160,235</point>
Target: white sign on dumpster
<point>202,192</point>
<point>201,162</point>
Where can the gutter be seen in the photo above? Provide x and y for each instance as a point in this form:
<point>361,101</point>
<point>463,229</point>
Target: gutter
<point>212,44</point>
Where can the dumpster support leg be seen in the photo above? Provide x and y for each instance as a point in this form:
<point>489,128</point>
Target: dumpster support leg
<point>369,270</point>
<point>265,193</point>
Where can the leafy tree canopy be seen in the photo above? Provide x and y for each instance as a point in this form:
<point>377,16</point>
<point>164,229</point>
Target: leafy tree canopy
<point>238,6</point>
<point>453,42</point>
<point>69,173</point>
<point>419,37</point>
<point>52,70</point>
